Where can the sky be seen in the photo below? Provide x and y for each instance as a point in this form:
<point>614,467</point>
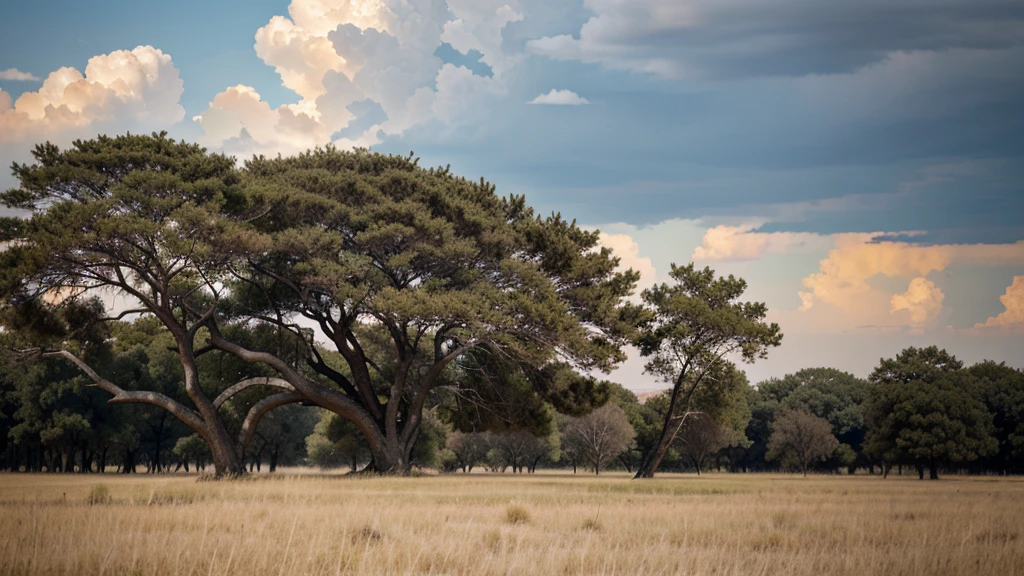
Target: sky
<point>859,164</point>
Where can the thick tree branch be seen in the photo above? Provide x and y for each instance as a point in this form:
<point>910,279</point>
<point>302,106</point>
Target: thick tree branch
<point>121,396</point>
<point>252,419</point>
<point>249,383</point>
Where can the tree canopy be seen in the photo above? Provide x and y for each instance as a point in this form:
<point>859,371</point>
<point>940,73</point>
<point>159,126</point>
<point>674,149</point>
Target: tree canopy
<point>413,276</point>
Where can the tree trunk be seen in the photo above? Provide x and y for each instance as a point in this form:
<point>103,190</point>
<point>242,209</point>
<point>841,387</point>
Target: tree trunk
<point>653,459</point>
<point>920,471</point>
<point>933,469</point>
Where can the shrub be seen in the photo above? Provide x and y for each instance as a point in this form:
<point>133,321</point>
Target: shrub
<point>516,514</point>
<point>99,494</point>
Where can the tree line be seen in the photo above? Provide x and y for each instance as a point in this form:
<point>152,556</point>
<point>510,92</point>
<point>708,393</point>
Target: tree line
<point>164,306</point>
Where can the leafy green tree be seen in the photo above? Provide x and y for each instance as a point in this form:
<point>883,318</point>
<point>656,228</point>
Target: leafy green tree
<point>1002,390</point>
<point>193,448</point>
<point>411,274</point>
<point>923,408</point>
<point>828,393</point>
<point>801,438</point>
<point>698,321</point>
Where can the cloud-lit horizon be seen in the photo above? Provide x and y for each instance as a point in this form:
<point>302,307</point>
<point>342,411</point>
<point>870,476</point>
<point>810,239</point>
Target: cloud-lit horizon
<point>860,165</point>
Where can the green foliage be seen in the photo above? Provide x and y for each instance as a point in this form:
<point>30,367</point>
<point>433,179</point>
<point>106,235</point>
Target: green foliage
<point>697,321</point>
<point>924,408</point>
<point>801,438</point>
<point>828,393</point>
<point>1002,390</point>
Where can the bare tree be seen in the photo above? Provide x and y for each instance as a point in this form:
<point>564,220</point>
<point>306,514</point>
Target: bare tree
<point>801,438</point>
<point>522,449</point>
<point>701,437</point>
<point>601,435</point>
<point>469,449</point>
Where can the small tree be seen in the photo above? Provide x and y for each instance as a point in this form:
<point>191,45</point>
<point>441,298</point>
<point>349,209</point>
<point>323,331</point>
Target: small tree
<point>801,438</point>
<point>468,448</point>
<point>701,437</point>
<point>601,435</point>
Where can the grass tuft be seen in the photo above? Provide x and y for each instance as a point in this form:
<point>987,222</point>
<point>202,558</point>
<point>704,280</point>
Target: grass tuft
<point>516,514</point>
<point>99,494</point>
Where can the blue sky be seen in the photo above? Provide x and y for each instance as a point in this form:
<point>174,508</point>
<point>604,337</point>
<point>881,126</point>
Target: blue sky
<point>860,164</point>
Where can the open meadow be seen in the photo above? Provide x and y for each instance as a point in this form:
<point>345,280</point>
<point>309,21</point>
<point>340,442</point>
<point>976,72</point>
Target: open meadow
<point>503,524</point>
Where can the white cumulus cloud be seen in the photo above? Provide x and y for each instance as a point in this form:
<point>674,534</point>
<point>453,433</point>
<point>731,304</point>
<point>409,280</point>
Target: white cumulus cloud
<point>374,54</point>
<point>743,243</point>
<point>561,98</point>
<point>842,278</point>
<point>15,74</point>
<point>1013,301</point>
<point>628,251</point>
<point>923,300</point>
<point>136,89</point>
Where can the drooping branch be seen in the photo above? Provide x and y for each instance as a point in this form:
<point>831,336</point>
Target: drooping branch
<point>249,383</point>
<point>252,419</point>
<point>122,396</point>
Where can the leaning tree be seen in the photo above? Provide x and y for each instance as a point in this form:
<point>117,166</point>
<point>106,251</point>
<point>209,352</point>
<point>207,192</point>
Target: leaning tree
<point>698,324</point>
<point>422,282</point>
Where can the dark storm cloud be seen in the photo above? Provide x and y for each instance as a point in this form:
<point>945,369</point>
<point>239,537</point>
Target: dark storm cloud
<point>728,38</point>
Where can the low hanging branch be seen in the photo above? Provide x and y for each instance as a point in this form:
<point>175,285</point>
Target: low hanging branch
<point>121,396</point>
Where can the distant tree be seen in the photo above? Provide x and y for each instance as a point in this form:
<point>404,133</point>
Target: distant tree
<point>520,448</point>
<point>801,438</point>
<point>697,321</point>
<point>193,448</point>
<point>281,436</point>
<point>828,393</point>
<point>601,435</point>
<point>1002,390</point>
<point>925,409</point>
<point>701,437</point>
<point>468,449</point>
<point>572,449</point>
<point>336,442</point>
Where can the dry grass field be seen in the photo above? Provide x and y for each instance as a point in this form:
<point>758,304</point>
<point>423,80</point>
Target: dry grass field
<point>542,524</point>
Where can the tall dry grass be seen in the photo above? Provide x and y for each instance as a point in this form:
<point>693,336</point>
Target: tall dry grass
<point>543,524</point>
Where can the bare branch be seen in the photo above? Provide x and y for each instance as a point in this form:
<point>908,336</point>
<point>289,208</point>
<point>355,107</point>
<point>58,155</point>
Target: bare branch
<point>249,383</point>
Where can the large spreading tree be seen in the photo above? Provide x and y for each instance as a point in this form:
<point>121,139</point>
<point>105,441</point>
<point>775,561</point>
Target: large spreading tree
<point>415,278</point>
